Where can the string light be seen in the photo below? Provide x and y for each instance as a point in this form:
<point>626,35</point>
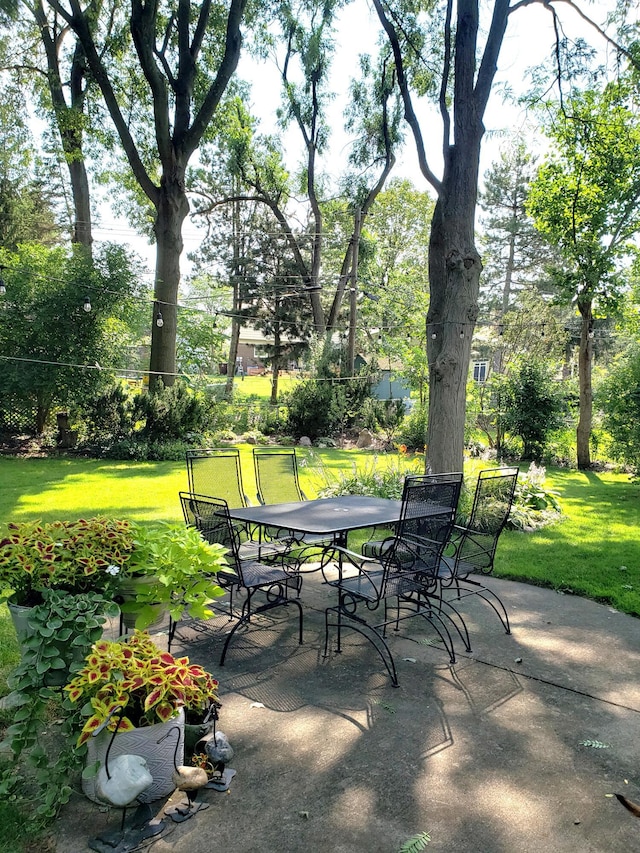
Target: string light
<point>87,305</point>
<point>159,320</point>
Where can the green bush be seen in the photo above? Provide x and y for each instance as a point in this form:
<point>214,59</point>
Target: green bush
<point>379,482</point>
<point>619,397</point>
<point>533,406</point>
<point>173,413</point>
<point>315,408</point>
<point>413,430</point>
<point>109,417</point>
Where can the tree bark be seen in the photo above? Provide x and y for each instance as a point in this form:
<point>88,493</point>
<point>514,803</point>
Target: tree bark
<point>172,209</point>
<point>585,359</point>
<point>454,278</point>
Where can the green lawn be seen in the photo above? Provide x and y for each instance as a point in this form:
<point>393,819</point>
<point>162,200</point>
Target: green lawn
<point>594,551</point>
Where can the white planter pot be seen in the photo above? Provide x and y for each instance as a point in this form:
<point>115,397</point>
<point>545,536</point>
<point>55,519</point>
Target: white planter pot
<point>144,742</point>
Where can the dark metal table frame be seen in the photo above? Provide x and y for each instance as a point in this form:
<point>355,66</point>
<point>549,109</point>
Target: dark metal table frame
<point>324,516</point>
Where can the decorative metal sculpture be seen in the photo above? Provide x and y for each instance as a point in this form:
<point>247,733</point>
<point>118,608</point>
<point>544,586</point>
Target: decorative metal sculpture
<point>120,785</point>
<point>187,779</point>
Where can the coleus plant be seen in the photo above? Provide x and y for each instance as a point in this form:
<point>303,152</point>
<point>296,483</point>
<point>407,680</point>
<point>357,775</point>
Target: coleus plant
<point>133,683</point>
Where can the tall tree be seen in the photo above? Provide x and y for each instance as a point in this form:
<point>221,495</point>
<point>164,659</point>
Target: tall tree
<point>47,51</point>
<point>187,53</point>
<point>585,199</point>
<point>448,52</point>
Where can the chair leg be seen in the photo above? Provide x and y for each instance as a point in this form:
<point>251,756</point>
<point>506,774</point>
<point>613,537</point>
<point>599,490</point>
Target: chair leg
<point>488,596</point>
<point>247,613</point>
<point>369,632</point>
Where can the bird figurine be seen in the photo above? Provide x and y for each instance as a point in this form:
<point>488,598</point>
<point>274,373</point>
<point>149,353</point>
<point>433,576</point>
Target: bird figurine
<point>189,780</point>
<point>219,752</point>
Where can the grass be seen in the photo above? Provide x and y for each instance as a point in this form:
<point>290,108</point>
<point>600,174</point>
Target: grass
<point>594,551</point>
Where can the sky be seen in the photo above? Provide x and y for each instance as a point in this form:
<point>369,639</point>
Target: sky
<point>528,42</point>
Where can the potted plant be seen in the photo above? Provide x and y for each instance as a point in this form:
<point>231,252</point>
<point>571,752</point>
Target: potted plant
<point>63,628</point>
<point>71,556</point>
<point>170,568</point>
<point>134,693</point>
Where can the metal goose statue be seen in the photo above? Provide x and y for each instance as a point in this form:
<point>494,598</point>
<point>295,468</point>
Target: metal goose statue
<point>187,779</point>
<point>119,783</point>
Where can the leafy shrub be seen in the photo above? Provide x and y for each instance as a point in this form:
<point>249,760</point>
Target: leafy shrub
<point>379,482</point>
<point>619,397</point>
<point>314,408</point>
<point>413,430</point>
<point>533,504</point>
<point>533,406</point>
<point>173,412</point>
<point>109,417</point>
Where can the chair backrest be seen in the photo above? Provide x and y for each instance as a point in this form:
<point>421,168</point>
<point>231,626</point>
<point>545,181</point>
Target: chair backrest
<point>489,514</point>
<point>276,475</point>
<point>210,516</point>
<point>216,471</point>
<point>429,504</point>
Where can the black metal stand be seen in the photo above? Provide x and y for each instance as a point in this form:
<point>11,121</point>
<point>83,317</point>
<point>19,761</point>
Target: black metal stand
<point>131,834</point>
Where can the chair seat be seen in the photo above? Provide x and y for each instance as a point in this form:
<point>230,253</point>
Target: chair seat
<point>259,574</point>
<point>253,550</point>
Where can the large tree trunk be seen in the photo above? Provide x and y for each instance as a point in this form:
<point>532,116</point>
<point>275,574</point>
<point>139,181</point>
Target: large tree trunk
<point>81,203</point>
<point>172,209</point>
<point>585,355</point>
<point>454,279</point>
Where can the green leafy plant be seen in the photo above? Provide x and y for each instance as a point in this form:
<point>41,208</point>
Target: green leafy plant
<point>72,556</point>
<point>147,684</point>
<point>180,566</point>
<point>534,504</point>
<point>415,844</point>
<point>63,628</point>
<point>380,482</point>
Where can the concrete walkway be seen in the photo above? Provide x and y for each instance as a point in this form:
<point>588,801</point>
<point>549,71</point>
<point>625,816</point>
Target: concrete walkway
<point>518,747</point>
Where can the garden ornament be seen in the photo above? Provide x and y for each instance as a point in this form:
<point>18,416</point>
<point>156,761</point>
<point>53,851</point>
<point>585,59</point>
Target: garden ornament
<point>120,783</point>
<point>189,780</point>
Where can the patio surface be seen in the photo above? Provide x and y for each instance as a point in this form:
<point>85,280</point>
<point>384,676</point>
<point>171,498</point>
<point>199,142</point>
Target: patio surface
<point>518,747</point>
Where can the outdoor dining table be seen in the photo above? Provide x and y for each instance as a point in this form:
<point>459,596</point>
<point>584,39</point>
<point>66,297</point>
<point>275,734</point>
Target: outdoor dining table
<point>333,517</point>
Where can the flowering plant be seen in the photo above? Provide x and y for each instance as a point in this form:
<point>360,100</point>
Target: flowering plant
<point>145,683</point>
<point>72,556</point>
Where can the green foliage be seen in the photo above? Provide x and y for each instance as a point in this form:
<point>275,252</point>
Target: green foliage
<point>317,408</point>
<point>416,844</point>
<point>109,417</point>
<point>173,412</point>
<point>534,505</point>
<point>51,349</point>
<point>64,627</point>
<point>413,430</point>
<point>619,397</point>
<point>372,479</point>
<point>532,404</point>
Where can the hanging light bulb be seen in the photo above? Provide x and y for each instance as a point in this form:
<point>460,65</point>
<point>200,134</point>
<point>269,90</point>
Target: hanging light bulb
<point>159,320</point>
<point>590,334</point>
<point>461,335</point>
<point>87,304</point>
<point>433,336</point>
<point>3,287</point>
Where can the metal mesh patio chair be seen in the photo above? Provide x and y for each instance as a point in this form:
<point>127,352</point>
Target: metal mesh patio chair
<point>277,481</point>
<point>276,581</point>
<point>376,547</point>
<point>216,471</point>
<point>400,583</point>
<point>276,472</point>
<point>472,546</point>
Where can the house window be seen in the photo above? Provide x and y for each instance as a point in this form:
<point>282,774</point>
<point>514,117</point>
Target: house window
<point>480,371</point>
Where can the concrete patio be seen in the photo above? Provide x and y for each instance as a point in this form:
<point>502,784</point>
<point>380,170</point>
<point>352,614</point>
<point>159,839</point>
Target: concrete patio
<point>518,747</point>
